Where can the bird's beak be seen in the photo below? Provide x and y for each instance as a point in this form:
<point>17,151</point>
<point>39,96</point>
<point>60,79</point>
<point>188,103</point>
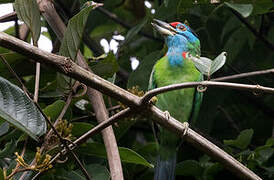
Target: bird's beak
<point>163,27</point>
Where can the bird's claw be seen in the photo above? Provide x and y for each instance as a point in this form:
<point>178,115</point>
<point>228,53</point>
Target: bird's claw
<point>186,126</point>
<point>167,115</point>
<point>153,100</point>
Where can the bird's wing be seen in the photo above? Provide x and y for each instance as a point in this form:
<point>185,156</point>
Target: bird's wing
<point>152,83</point>
<point>197,101</point>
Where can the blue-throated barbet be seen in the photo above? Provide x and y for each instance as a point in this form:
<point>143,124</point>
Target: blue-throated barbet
<point>183,104</point>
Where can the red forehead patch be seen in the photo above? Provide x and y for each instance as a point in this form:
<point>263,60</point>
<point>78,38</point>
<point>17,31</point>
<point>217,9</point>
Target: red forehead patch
<point>174,24</point>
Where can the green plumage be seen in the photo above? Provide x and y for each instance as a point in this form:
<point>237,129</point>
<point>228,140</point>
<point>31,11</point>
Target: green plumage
<point>181,104</point>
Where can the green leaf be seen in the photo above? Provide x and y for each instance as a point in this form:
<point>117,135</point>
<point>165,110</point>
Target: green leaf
<point>135,30</point>
<point>130,156</point>
<point>264,154</point>
<point>189,168</point>
<point>96,171</point>
<point>242,141</point>
<point>107,67</point>
<point>206,66</point>
<point>64,83</point>
<point>240,37</point>
<point>79,128</point>
<point>262,7</point>
<point>201,63</point>
<point>217,63</point>
<point>123,127</point>
<point>270,142</point>
<point>211,171</point>
<point>166,2</point>
<point>74,32</point>
<point>53,110</point>
<point>19,110</point>
<point>127,155</point>
<point>1,174</point>
<point>28,11</point>
<point>244,9</point>
<point>4,128</point>
<point>19,64</point>
<point>8,150</point>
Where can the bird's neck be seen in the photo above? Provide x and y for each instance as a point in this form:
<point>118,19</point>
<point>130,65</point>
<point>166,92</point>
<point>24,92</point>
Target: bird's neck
<point>176,46</point>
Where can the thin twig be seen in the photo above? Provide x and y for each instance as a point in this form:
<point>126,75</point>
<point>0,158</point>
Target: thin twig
<point>64,110</point>
<point>37,79</point>
<point>253,88</point>
<point>16,25</point>
<point>16,169</point>
<point>244,75</point>
<point>120,115</point>
<point>229,118</point>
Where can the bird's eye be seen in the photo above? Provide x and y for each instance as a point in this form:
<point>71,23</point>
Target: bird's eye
<point>181,27</point>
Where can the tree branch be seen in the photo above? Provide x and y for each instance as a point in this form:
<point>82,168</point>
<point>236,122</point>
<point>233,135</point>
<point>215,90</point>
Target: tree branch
<point>244,75</point>
<point>68,67</point>
<point>113,119</point>
<point>8,17</point>
<point>253,88</point>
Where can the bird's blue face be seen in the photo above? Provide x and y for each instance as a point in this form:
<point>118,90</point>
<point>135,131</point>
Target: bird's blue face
<point>175,30</point>
<point>184,30</point>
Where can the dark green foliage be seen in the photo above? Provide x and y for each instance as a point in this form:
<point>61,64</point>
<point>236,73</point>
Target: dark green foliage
<point>239,122</point>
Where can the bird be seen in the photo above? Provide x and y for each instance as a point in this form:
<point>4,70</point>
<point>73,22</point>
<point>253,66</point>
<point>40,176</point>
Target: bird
<point>182,104</point>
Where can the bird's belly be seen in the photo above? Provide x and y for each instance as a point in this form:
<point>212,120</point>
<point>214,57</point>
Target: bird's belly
<point>178,103</point>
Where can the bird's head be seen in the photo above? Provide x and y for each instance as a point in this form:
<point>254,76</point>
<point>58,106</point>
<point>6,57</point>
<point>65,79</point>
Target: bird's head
<point>179,39</point>
<point>176,30</point>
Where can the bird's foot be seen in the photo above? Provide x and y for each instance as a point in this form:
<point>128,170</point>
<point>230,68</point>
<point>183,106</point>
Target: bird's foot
<point>186,126</point>
<point>167,115</point>
<point>153,100</point>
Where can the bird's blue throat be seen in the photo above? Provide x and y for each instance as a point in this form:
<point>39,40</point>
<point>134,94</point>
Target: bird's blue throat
<point>176,44</point>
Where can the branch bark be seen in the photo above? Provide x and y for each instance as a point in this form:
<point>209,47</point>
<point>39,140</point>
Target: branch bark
<point>95,97</point>
<point>68,67</point>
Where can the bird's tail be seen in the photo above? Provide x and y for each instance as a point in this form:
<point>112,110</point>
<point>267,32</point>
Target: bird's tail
<point>165,167</point>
